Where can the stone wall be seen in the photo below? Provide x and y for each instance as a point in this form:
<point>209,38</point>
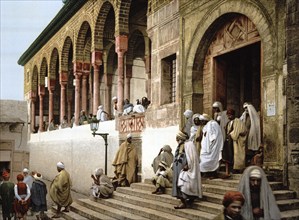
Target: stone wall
<point>163,30</point>
<point>292,79</point>
<point>201,21</point>
<point>14,135</point>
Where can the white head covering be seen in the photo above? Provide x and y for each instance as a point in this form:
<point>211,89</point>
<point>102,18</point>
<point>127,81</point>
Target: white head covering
<point>114,98</point>
<point>218,105</point>
<point>129,135</point>
<point>60,165</point>
<point>100,107</point>
<point>25,170</point>
<point>205,117</point>
<point>188,113</point>
<point>38,176</point>
<point>98,172</point>
<point>255,173</point>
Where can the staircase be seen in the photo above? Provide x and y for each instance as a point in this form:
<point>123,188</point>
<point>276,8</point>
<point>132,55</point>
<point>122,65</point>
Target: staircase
<point>137,202</point>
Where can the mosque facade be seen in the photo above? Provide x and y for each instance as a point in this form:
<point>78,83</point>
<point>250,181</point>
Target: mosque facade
<point>180,54</point>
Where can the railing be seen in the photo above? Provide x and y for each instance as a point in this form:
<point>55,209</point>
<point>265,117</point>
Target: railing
<point>131,123</point>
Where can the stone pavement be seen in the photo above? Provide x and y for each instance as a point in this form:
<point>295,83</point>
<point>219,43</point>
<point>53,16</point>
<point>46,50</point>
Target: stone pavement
<point>50,203</point>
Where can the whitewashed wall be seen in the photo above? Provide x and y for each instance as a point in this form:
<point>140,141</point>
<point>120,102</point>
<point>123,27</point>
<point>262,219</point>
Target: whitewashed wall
<point>82,153</point>
<point>153,139</point>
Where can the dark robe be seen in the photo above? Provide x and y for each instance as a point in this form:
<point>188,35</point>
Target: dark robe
<point>179,162</point>
<point>7,194</point>
<point>38,196</point>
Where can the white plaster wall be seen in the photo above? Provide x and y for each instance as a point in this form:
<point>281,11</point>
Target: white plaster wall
<point>82,153</point>
<point>77,148</point>
<point>153,139</point>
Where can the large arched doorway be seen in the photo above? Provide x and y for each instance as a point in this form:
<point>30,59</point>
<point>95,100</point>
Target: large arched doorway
<point>237,77</point>
<point>231,72</point>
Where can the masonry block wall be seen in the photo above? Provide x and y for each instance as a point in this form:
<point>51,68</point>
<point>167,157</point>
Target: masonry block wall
<point>292,84</point>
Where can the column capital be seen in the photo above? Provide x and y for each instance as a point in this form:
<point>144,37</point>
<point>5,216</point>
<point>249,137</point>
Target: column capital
<point>121,44</point>
<point>63,77</point>
<point>32,95</point>
<point>97,57</point>
<point>41,90</point>
<point>78,66</point>
<point>86,69</point>
<point>51,84</point>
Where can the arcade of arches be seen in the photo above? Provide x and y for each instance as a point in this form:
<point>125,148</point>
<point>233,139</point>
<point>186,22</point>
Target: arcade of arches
<point>180,54</point>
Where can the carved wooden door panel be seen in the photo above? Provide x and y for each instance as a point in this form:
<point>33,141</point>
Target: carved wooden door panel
<point>220,81</point>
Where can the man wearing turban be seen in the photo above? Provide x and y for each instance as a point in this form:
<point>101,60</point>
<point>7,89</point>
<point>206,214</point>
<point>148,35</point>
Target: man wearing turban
<point>165,155</point>
<point>125,163</point>
<point>211,147</point>
<point>102,186</point>
<point>60,190</point>
<point>188,115</point>
<point>186,182</point>
<point>260,202</point>
<point>232,203</point>
<point>234,148</point>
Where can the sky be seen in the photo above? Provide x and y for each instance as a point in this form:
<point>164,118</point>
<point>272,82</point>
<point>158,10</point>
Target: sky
<point>21,23</point>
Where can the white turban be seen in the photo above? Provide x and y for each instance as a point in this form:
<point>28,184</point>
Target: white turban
<point>114,98</point>
<point>38,176</point>
<point>255,173</point>
<point>25,170</point>
<point>218,105</point>
<point>60,165</point>
<point>98,172</point>
<point>205,117</point>
<point>129,135</point>
<point>188,113</point>
<point>100,107</point>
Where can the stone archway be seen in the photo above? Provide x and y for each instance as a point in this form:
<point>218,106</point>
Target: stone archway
<point>197,48</point>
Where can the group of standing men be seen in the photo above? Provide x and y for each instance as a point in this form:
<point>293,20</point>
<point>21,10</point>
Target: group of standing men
<point>29,193</point>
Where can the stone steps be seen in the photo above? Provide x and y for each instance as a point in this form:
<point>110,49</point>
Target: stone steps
<point>138,202</point>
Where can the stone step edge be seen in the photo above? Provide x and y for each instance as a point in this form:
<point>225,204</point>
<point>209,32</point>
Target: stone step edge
<point>68,215</point>
<point>202,206</point>
<point>76,207</point>
<point>165,197</point>
<point>113,212</point>
<point>144,212</point>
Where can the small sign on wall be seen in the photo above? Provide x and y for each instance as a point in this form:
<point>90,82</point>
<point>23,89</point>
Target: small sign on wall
<point>271,109</point>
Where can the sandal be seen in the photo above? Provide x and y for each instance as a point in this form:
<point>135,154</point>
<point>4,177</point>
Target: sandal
<point>181,206</point>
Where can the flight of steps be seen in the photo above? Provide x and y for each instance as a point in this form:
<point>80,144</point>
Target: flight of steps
<point>137,202</point>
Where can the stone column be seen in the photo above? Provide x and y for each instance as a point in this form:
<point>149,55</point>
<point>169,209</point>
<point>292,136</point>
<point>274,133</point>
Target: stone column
<point>108,87</point>
<point>121,46</point>
<point>62,100</point>
<point>128,81</point>
<point>63,79</point>
<point>32,108</point>
<point>147,61</point>
<point>77,74</point>
<point>41,93</point>
<point>51,103</point>
<point>96,59</point>
<point>84,93</point>
<point>69,111</point>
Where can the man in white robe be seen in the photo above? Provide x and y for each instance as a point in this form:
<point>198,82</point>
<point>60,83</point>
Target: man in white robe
<point>211,147</point>
<point>188,115</point>
<point>220,116</point>
<point>101,114</point>
<point>252,121</point>
<point>189,182</point>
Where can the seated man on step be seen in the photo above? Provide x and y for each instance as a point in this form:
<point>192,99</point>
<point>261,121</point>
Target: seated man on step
<point>162,178</point>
